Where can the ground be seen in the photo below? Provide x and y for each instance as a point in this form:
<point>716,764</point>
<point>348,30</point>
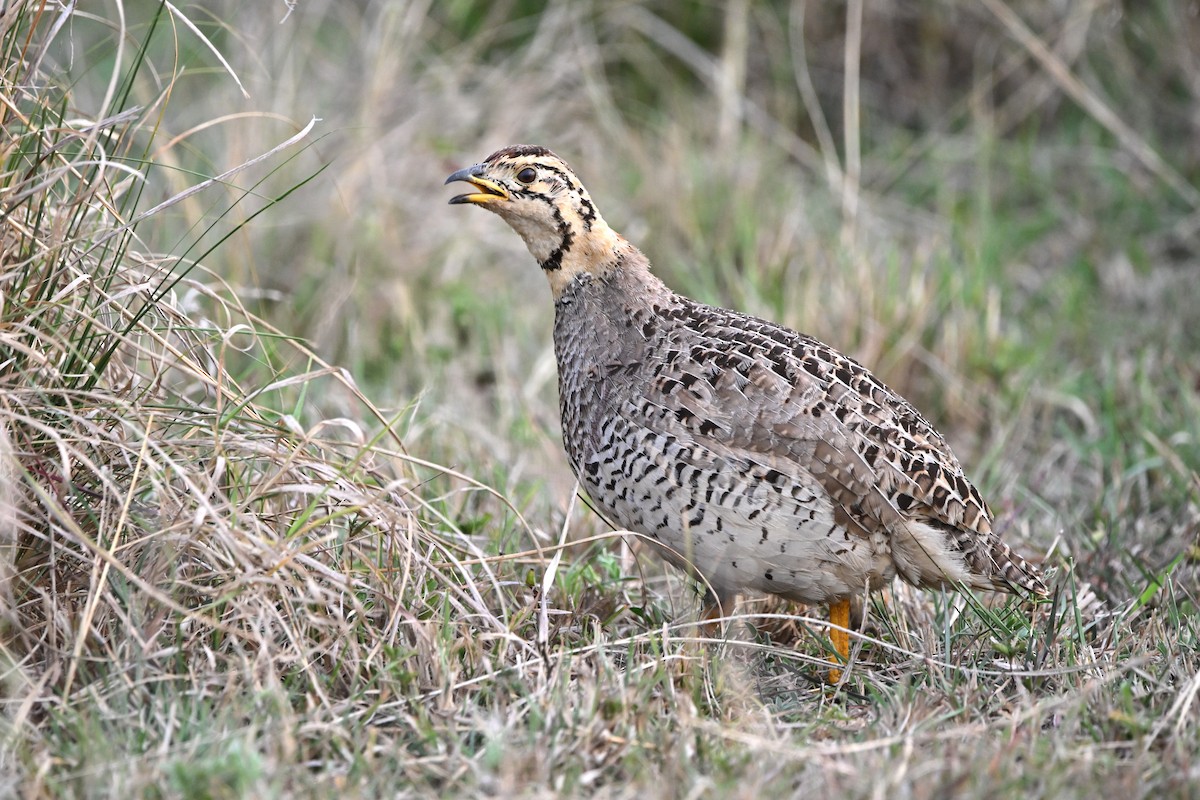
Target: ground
<point>284,507</point>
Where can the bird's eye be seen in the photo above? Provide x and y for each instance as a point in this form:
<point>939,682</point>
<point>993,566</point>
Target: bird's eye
<point>527,175</point>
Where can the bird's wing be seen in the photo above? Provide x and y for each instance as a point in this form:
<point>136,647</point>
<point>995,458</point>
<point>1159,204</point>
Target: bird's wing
<point>755,390</point>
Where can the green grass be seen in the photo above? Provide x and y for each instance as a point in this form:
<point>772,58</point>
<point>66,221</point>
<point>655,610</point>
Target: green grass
<point>281,486</point>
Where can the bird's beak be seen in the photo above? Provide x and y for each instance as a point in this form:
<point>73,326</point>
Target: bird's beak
<point>490,190</point>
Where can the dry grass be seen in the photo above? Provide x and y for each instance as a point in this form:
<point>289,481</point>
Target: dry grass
<point>282,506</point>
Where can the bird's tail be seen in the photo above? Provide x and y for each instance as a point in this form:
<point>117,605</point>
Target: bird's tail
<point>1012,572</point>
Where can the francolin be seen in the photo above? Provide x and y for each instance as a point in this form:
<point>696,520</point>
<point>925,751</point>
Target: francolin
<point>756,457</point>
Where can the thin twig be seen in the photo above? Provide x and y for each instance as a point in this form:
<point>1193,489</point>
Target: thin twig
<point>1092,104</point>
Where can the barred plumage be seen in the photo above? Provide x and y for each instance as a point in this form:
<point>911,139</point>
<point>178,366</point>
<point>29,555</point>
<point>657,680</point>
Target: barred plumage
<point>756,456</point>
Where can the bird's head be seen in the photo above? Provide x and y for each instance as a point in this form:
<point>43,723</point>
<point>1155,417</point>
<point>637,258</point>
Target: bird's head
<point>536,193</point>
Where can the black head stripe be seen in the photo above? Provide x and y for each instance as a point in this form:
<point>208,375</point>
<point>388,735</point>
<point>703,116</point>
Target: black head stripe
<point>589,211</point>
<point>518,151</point>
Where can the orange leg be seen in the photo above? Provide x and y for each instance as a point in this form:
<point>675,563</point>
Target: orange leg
<point>715,607</point>
<point>839,615</point>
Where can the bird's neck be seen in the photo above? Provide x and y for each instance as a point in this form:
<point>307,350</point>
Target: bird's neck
<point>599,254</point>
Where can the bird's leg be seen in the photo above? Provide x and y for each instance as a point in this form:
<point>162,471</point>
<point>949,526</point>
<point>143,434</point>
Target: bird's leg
<point>839,620</point>
<point>716,605</point>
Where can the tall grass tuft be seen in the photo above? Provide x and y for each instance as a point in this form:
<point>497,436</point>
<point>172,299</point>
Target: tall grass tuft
<point>183,540</point>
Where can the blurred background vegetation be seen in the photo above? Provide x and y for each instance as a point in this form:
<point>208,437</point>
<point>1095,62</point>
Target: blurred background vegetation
<point>993,205</point>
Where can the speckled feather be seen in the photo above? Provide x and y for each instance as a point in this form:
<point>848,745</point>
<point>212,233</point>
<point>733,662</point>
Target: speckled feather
<point>756,456</point>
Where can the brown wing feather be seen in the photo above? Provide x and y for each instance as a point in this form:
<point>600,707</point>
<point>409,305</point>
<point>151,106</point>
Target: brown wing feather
<point>872,452</point>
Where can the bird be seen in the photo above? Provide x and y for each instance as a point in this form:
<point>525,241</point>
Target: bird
<point>755,457</point>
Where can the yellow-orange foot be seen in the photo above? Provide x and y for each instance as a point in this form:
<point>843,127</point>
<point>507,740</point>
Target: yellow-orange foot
<point>839,620</point>
<point>713,610</point>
